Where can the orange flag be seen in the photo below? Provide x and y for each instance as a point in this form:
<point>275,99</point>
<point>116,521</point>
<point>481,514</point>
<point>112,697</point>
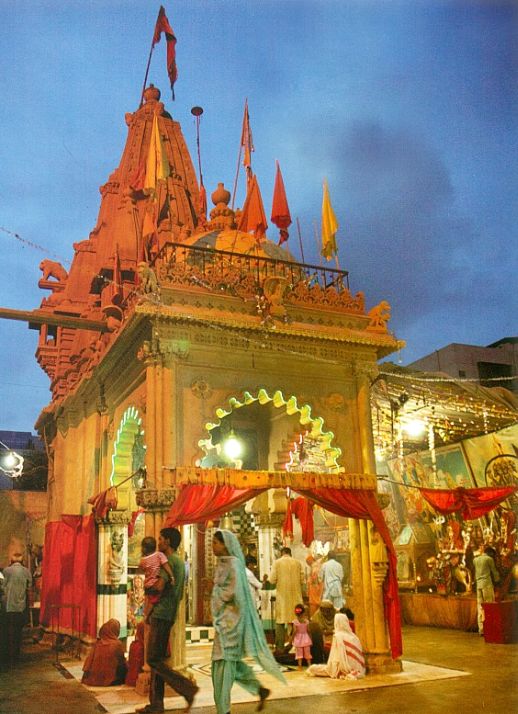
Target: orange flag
<point>162,25</point>
<point>253,217</point>
<point>247,143</point>
<point>280,210</point>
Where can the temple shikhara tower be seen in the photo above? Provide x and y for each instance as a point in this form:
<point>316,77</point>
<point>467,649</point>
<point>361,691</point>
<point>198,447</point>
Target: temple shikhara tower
<point>176,329</point>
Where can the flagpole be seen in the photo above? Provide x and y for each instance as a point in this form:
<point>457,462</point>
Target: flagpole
<point>237,176</point>
<point>148,64</point>
<point>300,240</point>
<point>315,233</point>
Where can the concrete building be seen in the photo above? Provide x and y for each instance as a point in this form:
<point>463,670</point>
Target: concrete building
<point>492,366</point>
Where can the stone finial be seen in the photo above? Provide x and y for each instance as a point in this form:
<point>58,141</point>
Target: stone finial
<point>151,94</point>
<point>221,215</point>
<point>220,197</point>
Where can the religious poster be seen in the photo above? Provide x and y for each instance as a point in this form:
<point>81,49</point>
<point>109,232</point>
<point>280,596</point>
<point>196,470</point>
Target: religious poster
<point>416,470</point>
<point>494,457</point>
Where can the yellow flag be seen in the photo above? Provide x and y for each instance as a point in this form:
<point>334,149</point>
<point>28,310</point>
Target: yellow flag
<point>157,165</point>
<point>329,226</point>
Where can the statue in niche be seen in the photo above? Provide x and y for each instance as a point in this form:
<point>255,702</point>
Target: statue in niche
<point>116,559</point>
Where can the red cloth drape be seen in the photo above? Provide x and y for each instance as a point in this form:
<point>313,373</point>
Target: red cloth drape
<point>363,504</point>
<point>302,508</point>
<point>287,526</point>
<point>198,503</point>
<point>70,574</point>
<point>471,502</point>
<point>103,502</point>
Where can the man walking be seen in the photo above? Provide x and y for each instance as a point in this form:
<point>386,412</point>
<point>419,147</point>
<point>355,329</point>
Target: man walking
<point>485,572</point>
<point>288,576</point>
<point>162,619</point>
<point>17,581</point>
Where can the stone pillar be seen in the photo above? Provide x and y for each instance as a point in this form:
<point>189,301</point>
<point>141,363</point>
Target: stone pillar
<point>269,511</point>
<point>156,504</point>
<point>368,556</point>
<point>112,569</point>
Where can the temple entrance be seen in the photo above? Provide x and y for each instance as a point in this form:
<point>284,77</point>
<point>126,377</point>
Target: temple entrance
<point>120,592</point>
<point>266,432</point>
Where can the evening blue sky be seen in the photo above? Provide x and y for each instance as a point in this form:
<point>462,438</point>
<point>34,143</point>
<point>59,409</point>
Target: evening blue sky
<point>407,107</point>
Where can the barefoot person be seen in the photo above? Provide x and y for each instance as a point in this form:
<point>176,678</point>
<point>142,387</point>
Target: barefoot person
<point>237,629</point>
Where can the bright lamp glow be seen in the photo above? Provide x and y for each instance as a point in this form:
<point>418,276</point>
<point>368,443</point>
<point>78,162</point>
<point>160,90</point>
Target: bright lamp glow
<point>232,446</point>
<point>12,464</point>
<point>10,460</point>
<point>414,427</point>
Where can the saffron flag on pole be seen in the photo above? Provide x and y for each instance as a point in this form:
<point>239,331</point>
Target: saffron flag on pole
<point>247,143</point>
<point>253,217</point>
<point>329,226</point>
<point>162,25</point>
<point>280,211</point>
<point>157,165</point>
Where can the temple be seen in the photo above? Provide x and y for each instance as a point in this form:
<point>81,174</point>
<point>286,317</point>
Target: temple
<point>198,331</point>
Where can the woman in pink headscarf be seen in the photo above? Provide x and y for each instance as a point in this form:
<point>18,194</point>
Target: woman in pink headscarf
<point>346,660</point>
<point>106,664</point>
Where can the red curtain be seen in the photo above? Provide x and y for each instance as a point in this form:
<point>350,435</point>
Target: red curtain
<point>199,503</point>
<point>302,508</point>
<point>363,504</point>
<point>287,526</point>
<point>70,574</point>
<point>471,502</point>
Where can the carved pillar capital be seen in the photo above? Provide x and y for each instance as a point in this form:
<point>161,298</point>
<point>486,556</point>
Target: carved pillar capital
<point>154,499</point>
<point>366,371</point>
<point>119,518</point>
<point>269,520</point>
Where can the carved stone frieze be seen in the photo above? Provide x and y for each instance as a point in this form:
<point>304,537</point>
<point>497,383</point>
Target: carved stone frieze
<point>153,499</point>
<point>303,293</point>
<point>116,518</point>
<point>214,272</point>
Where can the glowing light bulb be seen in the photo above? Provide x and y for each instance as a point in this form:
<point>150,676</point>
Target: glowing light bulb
<point>414,427</point>
<point>10,460</point>
<point>232,446</point>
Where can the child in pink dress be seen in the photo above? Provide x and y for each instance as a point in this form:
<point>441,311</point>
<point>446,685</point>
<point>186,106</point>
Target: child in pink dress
<point>150,563</point>
<point>300,637</point>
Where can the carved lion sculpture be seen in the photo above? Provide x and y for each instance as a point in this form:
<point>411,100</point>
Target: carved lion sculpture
<point>148,281</point>
<point>52,269</point>
<point>379,316</point>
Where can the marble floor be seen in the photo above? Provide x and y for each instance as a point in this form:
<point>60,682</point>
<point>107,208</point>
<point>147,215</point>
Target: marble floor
<point>123,699</point>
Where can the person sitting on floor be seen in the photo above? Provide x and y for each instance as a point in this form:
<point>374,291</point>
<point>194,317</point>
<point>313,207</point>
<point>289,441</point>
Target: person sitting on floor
<point>321,628</point>
<point>346,660</point>
<point>136,656</point>
<point>106,665</point>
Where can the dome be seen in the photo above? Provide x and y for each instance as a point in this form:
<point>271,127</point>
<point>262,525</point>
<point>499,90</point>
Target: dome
<point>235,241</point>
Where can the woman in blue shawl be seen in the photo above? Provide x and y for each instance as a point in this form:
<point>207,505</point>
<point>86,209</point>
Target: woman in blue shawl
<point>238,631</point>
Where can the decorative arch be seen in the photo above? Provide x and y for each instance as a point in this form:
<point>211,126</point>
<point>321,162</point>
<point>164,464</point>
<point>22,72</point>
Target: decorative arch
<point>313,424</point>
<point>129,446</point>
